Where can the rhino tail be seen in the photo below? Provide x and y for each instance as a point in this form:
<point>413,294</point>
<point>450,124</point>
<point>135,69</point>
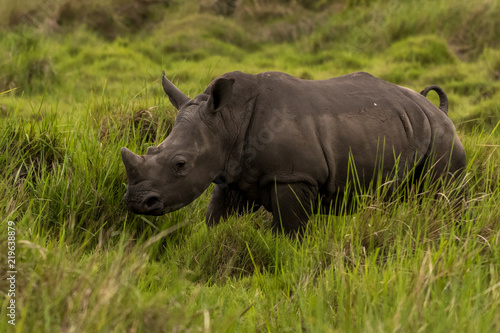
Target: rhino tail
<point>443,98</point>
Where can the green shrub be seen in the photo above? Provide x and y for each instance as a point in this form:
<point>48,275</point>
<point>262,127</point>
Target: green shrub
<point>491,61</point>
<point>110,18</point>
<point>485,115</point>
<point>470,27</point>
<point>423,50</point>
<point>27,63</point>
<point>200,36</point>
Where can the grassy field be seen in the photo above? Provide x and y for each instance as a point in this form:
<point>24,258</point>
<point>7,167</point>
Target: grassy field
<point>78,82</point>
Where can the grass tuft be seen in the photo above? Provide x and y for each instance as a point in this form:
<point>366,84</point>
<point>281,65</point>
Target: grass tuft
<point>232,249</point>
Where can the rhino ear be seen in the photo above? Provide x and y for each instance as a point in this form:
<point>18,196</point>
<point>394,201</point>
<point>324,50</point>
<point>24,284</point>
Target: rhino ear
<point>176,97</point>
<point>131,162</point>
<point>222,92</point>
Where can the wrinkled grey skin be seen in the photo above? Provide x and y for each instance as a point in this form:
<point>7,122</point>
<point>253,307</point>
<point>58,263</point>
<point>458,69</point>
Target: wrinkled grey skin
<point>280,142</point>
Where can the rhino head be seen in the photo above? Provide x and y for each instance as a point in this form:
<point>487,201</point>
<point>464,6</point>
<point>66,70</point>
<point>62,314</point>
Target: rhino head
<point>174,173</point>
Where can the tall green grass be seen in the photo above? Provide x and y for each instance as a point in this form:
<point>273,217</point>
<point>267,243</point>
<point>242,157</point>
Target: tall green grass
<point>86,264</point>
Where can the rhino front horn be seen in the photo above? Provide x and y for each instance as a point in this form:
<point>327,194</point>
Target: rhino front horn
<point>177,97</point>
<point>131,161</point>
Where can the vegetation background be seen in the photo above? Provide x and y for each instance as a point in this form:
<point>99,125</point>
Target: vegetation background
<point>81,79</point>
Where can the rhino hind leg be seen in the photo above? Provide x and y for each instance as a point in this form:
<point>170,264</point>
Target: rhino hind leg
<point>455,177</point>
<point>225,201</point>
<point>448,174</point>
<point>291,206</point>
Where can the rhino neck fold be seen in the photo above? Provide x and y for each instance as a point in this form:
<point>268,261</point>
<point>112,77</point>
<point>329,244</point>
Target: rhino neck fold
<point>237,144</point>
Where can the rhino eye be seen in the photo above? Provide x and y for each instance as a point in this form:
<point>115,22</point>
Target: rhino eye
<point>179,164</point>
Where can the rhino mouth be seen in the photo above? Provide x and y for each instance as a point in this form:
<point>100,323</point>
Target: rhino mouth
<point>148,204</point>
<point>162,210</point>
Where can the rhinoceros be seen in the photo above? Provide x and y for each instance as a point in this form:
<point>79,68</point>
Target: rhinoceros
<point>290,145</point>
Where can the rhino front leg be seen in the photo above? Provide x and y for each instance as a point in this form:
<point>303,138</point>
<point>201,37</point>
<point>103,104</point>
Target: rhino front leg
<point>225,201</point>
<point>291,206</point>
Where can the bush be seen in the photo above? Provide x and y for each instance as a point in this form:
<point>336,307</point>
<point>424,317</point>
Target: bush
<point>199,36</point>
<point>37,145</point>
<point>28,63</point>
<point>424,50</point>
<point>491,60</point>
<point>485,115</point>
<point>108,18</point>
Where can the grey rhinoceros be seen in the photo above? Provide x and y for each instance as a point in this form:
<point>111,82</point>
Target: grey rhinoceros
<point>287,144</point>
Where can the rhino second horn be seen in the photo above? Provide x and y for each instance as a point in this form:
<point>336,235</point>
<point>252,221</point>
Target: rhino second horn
<point>131,161</point>
<point>177,97</point>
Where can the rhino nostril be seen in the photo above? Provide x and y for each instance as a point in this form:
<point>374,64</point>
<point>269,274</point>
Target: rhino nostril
<point>151,200</point>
